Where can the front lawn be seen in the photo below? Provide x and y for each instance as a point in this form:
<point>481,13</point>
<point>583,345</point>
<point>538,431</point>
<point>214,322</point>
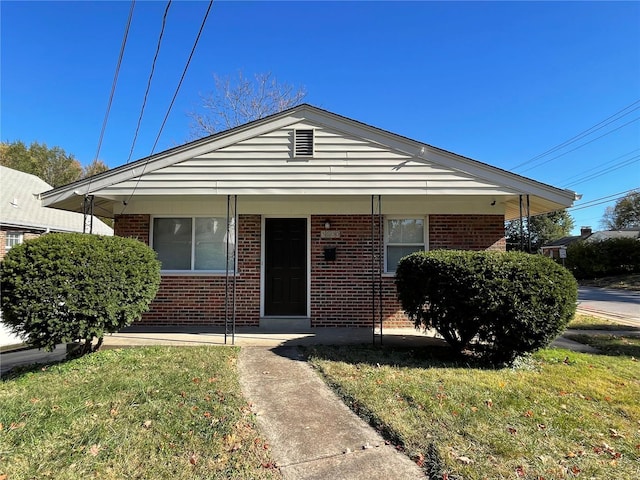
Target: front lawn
<point>559,415</point>
<point>583,321</point>
<point>143,413</point>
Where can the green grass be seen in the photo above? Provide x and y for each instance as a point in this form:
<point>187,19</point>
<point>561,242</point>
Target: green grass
<point>592,322</point>
<point>611,344</point>
<point>144,413</point>
<point>622,282</point>
<point>559,415</point>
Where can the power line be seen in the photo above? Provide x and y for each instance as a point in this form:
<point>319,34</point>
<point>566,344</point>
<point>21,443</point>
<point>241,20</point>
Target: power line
<point>582,145</point>
<point>115,79</point>
<point>610,119</point>
<point>581,174</point>
<point>184,73</point>
<point>173,99</point>
<point>153,67</point>
<point>605,171</point>
<point>601,200</point>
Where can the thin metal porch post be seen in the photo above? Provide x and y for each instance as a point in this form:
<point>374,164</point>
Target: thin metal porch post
<point>380,263</point>
<point>230,275</point>
<point>376,267</point>
<point>87,211</point>
<point>521,226</point>
<point>528,225</point>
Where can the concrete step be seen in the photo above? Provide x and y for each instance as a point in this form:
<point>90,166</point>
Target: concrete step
<point>288,324</point>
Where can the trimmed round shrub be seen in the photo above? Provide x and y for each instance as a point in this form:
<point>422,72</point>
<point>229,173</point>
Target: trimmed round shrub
<point>502,305</point>
<point>73,287</point>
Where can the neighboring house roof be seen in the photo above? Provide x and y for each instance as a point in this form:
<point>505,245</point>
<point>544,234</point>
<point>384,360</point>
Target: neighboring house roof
<point>561,242</point>
<point>349,158</point>
<point>21,208</point>
<point>611,234</point>
<point>593,237</point>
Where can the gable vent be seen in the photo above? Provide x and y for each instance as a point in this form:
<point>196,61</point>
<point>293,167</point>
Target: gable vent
<point>303,143</point>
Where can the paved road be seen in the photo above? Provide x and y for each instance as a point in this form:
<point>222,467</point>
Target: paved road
<point>623,304</point>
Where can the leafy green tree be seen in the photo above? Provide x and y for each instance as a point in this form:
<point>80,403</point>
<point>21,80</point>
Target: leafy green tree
<point>624,214</point>
<point>94,168</point>
<point>53,165</point>
<point>236,101</point>
<point>544,229</point>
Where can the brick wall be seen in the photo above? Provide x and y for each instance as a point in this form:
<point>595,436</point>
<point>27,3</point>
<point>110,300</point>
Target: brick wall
<point>133,226</point>
<point>3,238</point>
<point>199,300</point>
<point>340,290</point>
<point>466,232</point>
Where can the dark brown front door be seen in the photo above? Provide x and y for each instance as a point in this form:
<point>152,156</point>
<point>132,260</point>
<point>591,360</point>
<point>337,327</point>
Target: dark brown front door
<point>285,266</point>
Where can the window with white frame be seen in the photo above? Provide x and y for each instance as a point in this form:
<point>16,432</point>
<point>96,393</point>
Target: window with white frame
<point>194,243</point>
<point>402,237</point>
<point>12,239</point>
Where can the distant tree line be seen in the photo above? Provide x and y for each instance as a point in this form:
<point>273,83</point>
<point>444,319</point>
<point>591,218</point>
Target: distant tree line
<point>53,165</point>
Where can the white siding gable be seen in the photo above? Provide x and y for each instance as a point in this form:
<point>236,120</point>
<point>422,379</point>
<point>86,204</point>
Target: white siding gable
<point>341,163</point>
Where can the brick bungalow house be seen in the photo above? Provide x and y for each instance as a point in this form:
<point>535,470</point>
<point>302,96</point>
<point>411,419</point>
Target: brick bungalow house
<point>299,219</point>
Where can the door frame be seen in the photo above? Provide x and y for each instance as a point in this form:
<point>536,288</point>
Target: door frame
<point>263,263</point>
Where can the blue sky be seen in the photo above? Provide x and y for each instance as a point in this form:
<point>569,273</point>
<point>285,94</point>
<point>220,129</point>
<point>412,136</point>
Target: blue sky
<point>499,82</point>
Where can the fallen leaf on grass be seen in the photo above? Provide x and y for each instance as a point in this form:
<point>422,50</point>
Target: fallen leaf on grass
<point>520,471</point>
<point>94,450</point>
<point>3,476</point>
<point>614,433</point>
<point>512,430</point>
<point>528,413</point>
<point>147,424</point>
<point>575,470</point>
<point>193,460</point>
<point>488,403</point>
<point>465,460</point>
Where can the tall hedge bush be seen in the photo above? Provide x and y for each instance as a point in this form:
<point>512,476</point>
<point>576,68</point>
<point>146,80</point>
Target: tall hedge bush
<point>502,305</point>
<point>616,256</point>
<point>72,287</point>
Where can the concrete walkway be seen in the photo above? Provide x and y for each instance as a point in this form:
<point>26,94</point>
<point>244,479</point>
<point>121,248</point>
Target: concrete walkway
<point>313,434</point>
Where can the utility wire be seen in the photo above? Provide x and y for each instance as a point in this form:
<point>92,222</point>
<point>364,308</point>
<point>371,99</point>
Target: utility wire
<point>173,99</point>
<point>115,79</point>
<point>580,146</point>
<point>601,200</point>
<point>113,85</point>
<point>618,166</point>
<point>581,174</point>
<point>153,67</point>
<point>610,119</point>
<point>184,73</point>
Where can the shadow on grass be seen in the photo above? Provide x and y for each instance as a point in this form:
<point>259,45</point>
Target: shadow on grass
<point>612,345</point>
<point>32,368</point>
<point>396,356</point>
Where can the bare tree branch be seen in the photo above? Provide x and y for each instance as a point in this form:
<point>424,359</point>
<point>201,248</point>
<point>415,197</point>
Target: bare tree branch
<point>241,100</point>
